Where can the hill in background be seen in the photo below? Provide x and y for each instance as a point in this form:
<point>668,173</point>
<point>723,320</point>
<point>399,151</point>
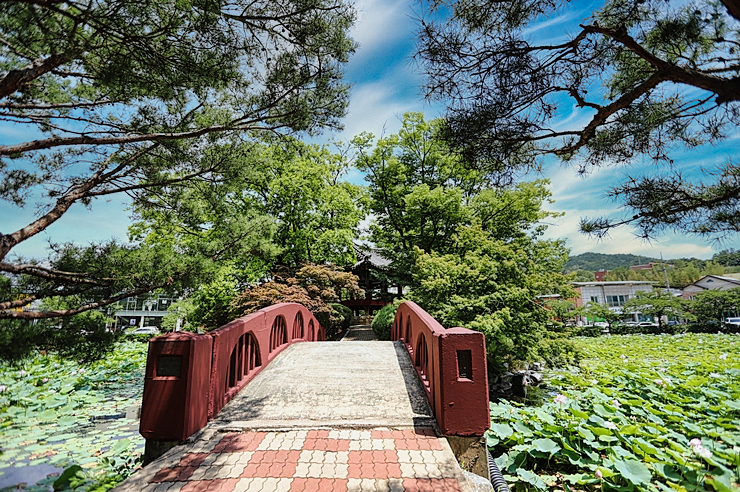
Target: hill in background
<point>594,262</point>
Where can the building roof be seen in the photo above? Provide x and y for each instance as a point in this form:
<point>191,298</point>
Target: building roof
<point>614,282</point>
<point>369,255</point>
<point>729,280</point>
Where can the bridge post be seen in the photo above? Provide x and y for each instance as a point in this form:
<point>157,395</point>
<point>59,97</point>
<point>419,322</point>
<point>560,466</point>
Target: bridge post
<point>175,401</point>
<point>452,366</point>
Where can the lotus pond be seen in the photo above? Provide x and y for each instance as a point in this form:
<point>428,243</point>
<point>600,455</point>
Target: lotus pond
<point>641,413</point>
<point>76,422</point>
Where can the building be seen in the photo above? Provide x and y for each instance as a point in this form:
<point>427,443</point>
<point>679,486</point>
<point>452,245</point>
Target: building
<point>614,294</point>
<point>143,310</point>
<point>371,269</point>
<point>710,282</point>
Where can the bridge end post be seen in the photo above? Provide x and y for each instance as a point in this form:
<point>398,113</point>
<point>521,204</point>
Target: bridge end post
<point>464,415</point>
<point>175,401</point>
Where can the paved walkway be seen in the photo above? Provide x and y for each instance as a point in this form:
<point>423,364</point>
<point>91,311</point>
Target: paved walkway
<point>358,333</point>
<point>327,416</point>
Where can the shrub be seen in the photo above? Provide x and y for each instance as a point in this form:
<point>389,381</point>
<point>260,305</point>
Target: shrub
<point>589,331</point>
<point>383,321</point>
<point>83,336</point>
<point>342,313</point>
<point>314,286</point>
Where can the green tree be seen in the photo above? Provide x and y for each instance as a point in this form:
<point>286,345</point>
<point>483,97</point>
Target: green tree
<point>468,246</point>
<point>712,306</point>
<point>316,213</point>
<point>657,304</point>
<point>421,192</point>
<point>141,98</point>
<point>563,310</point>
<point>644,77</point>
<point>283,203</point>
<point>490,285</point>
<point>602,311</point>
<point>727,257</point>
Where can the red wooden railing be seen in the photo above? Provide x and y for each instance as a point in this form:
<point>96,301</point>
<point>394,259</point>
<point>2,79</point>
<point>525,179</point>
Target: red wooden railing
<point>451,364</point>
<point>189,378</point>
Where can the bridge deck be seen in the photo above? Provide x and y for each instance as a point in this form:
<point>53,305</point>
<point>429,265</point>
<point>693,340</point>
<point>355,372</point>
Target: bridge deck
<point>329,416</point>
<point>332,383</point>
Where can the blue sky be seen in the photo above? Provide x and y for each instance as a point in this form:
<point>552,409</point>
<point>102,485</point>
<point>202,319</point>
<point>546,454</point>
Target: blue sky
<point>385,85</point>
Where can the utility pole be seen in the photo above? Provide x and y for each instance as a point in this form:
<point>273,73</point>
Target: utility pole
<point>665,273</point>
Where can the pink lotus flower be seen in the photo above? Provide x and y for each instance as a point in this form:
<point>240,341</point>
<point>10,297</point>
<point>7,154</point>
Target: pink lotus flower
<point>610,425</point>
<point>3,388</point>
<point>598,474</point>
<point>560,399</point>
<point>21,373</point>
<point>699,448</point>
<point>45,380</point>
<point>616,403</point>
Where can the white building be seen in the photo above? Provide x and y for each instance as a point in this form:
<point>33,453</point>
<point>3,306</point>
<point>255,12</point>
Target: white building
<point>710,282</point>
<point>613,294</point>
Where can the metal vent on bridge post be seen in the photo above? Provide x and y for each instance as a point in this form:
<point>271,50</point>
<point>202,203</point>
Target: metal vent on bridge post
<point>169,366</point>
<point>464,364</point>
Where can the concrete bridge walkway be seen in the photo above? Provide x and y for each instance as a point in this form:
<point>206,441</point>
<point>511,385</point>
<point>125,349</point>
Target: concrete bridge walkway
<point>330,416</point>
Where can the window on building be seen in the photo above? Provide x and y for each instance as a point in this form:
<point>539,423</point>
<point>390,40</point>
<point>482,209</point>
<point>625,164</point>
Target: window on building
<point>595,299</point>
<point>615,301</point>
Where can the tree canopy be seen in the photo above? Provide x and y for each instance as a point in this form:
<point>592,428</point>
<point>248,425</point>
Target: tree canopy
<point>469,247</point>
<point>636,78</point>
<point>421,192</point>
<point>142,99</point>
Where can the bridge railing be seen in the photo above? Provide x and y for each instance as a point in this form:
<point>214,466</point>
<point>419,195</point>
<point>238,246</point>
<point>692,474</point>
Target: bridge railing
<point>451,364</point>
<point>189,377</point>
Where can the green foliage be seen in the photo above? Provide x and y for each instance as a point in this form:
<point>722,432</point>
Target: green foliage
<point>212,302</point>
<point>316,213</point>
<point>19,339</point>
<point>490,286</point>
<point>314,286</point>
<point>468,246</point>
<point>619,82</point>
<point>181,310</point>
<point>84,336</point>
<point>160,101</point>
<point>593,262</point>
<point>712,306</point>
<point>343,313</point>
<point>657,304</point>
<point>383,321</point>
<point>56,411</point>
<point>640,413</point>
<point>727,257</point>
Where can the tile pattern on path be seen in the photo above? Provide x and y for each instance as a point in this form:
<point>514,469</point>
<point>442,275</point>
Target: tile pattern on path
<point>375,460</point>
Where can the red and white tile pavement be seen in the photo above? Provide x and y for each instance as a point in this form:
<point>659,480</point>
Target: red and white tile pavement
<point>374,460</point>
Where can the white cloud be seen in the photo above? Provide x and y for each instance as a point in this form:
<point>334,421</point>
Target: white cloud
<point>379,24</point>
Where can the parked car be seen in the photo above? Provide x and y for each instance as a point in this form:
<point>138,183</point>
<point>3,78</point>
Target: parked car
<point>647,324</point>
<point>732,322</point>
<point>145,330</point>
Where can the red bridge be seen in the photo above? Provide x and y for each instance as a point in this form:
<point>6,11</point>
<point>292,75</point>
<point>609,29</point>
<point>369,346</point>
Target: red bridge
<point>249,406</point>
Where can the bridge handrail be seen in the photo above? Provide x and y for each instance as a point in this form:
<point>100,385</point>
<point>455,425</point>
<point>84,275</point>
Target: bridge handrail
<point>451,364</point>
<point>189,377</point>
